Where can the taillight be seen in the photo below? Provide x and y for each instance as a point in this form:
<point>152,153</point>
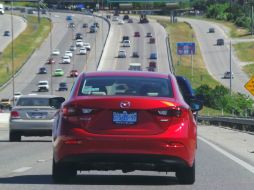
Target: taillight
<point>70,111</point>
<point>15,115</point>
<point>74,111</point>
<point>171,112</point>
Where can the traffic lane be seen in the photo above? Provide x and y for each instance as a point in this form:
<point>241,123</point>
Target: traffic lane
<point>39,57</point>
<point>19,25</point>
<point>77,61</point>
<point>217,57</point>
<point>238,142</point>
<point>213,171</point>
<point>139,44</point>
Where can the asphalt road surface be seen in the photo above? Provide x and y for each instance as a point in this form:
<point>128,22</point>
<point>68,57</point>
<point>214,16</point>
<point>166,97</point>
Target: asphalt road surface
<point>19,25</point>
<point>110,60</point>
<point>26,165</point>
<point>217,58</point>
<point>62,37</point>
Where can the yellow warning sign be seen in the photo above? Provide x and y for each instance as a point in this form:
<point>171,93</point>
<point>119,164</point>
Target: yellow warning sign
<point>250,85</point>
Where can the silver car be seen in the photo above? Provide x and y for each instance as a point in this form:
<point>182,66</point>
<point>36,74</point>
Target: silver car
<point>32,116</point>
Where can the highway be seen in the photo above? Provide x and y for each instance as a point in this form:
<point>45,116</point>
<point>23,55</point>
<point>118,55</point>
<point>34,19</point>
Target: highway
<point>60,31</point>
<point>140,44</point>
<point>217,58</point>
<point>222,162</point>
<point>19,25</point>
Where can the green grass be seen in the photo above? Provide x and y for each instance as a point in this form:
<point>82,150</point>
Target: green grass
<point>245,52</point>
<point>24,45</point>
<point>234,31</point>
<point>22,4</point>
<point>182,32</point>
<point>212,112</point>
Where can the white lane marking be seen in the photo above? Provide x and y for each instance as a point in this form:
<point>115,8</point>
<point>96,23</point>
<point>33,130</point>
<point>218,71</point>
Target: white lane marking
<point>20,170</point>
<point>230,156</point>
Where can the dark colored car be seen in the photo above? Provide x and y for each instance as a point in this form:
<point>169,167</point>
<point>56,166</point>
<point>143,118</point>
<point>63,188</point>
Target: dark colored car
<point>85,25</point>
<point>220,42</point>
<point>79,36</point>
<point>96,24</point>
<point>135,54</point>
<point>7,33</point>
<point>136,34</point>
<point>149,34</point>
<point>130,20</point>
<point>71,25</point>
<point>62,86</point>
<point>153,56</point>
<point>152,40</point>
<point>73,73</point>
<point>152,66</point>
<point>211,30</point>
<point>125,121</point>
<point>126,17</point>
<point>125,38</point>
<point>42,70</point>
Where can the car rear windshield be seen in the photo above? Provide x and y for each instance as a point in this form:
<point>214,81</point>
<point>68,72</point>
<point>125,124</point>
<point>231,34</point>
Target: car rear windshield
<point>33,102</point>
<point>125,86</point>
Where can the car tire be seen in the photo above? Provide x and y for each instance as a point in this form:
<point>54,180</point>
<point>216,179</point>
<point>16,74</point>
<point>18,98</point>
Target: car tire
<point>62,173</point>
<point>186,175</point>
<point>14,137</point>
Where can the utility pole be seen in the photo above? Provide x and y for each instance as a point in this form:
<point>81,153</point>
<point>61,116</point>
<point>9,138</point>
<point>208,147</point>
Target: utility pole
<point>252,27</point>
<point>230,67</point>
<point>12,55</point>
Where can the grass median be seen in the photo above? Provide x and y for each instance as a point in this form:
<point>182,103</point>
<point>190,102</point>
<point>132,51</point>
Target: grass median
<point>24,45</point>
<point>197,74</point>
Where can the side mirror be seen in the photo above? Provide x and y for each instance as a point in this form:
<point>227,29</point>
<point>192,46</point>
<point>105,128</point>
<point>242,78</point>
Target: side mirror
<point>56,102</point>
<point>195,105</point>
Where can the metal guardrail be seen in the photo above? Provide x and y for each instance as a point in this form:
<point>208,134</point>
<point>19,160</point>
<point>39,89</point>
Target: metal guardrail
<point>246,124</point>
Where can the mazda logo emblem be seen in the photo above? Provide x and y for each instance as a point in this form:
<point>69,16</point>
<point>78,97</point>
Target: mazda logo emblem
<point>125,104</point>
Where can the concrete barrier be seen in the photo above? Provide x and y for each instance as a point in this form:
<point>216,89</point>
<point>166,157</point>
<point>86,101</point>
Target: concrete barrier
<point>4,118</point>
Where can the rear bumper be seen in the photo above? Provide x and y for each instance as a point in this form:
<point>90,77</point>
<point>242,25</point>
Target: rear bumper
<point>32,127</point>
<point>162,151</point>
<point>125,162</point>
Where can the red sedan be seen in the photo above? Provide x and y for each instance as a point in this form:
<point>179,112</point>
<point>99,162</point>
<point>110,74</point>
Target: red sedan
<point>136,34</point>
<point>125,121</point>
<point>50,61</point>
<point>73,73</point>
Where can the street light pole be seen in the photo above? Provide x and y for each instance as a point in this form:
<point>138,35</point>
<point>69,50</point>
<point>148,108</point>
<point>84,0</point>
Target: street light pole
<point>50,53</point>
<point>230,66</point>
<point>12,54</point>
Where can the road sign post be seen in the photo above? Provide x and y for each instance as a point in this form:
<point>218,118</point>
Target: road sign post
<point>186,48</point>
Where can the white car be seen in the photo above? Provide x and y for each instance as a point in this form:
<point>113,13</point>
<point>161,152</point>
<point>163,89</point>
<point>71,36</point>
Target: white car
<point>87,46</point>
<point>121,22</point>
<point>56,52</point>
<point>17,95</point>
<point>126,43</point>
<point>79,43</point>
<point>66,59</point>
<point>68,53</point>
<point>82,51</point>
<point>73,48</point>
<point>114,18</point>
<point>43,85</point>
<point>122,54</point>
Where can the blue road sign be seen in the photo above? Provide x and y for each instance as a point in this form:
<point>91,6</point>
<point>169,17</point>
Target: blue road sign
<point>185,48</point>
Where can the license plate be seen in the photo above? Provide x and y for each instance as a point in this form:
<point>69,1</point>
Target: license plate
<point>124,117</point>
<point>38,115</point>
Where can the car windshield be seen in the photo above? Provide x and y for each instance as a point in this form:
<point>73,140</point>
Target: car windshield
<point>43,83</point>
<point>125,86</point>
<point>33,102</point>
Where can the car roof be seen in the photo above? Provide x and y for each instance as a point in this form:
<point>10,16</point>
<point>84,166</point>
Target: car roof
<point>127,73</point>
<point>42,81</point>
<point>38,96</point>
